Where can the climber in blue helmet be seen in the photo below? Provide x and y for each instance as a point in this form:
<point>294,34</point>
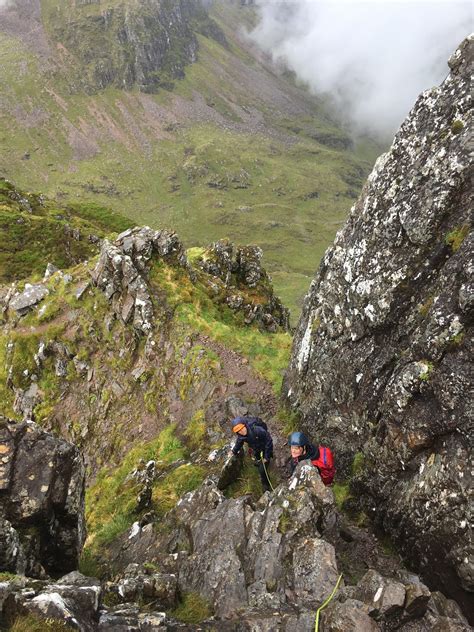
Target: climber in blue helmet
<point>321,457</point>
<point>254,432</point>
<point>301,449</point>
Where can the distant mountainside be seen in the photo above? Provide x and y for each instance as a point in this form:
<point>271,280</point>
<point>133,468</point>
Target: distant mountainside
<point>169,115</point>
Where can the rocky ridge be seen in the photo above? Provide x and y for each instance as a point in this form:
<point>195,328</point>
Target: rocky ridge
<point>382,355</point>
<point>123,345</point>
<point>256,565</point>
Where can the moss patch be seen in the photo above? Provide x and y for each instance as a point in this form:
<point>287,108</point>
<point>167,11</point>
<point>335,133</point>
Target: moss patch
<point>455,237</point>
<point>111,501</point>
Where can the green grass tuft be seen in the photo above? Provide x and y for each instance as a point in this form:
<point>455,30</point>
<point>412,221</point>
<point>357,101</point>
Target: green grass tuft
<point>30,623</point>
<point>192,609</point>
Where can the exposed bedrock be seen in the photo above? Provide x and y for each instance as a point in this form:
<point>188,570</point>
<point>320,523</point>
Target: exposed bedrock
<point>382,357</point>
<point>42,525</point>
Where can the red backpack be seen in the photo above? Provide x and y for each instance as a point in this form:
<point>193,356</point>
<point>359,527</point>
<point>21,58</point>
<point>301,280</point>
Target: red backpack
<point>325,465</point>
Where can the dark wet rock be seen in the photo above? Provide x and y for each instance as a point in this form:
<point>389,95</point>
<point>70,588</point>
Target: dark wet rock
<point>416,599</point>
<point>230,470</point>
<point>385,598</point>
<point>381,357</point>
<point>349,616</point>
<point>41,500</point>
<point>22,302</point>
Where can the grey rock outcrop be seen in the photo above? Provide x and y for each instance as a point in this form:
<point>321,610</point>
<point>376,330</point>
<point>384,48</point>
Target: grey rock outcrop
<point>122,269</point>
<point>252,560</point>
<point>22,302</point>
<point>241,268</point>
<point>381,362</point>
<point>42,527</point>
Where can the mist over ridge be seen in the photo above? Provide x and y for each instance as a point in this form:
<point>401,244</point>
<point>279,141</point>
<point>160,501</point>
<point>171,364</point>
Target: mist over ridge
<point>372,58</point>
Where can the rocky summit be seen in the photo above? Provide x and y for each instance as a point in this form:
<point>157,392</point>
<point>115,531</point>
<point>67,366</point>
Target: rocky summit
<point>381,360</point>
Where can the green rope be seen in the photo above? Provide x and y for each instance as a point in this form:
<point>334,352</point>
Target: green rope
<point>316,623</point>
<point>266,473</point>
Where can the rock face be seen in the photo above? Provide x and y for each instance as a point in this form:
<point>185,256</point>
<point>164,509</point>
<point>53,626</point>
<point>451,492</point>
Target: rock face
<point>240,557</point>
<point>259,567</point>
<point>42,526</point>
<point>145,44</point>
<point>382,353</point>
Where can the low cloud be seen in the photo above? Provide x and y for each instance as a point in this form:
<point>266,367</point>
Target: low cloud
<point>373,58</point>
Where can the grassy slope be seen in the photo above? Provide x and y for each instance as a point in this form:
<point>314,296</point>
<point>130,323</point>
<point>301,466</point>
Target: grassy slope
<point>98,420</point>
<point>193,159</point>
<point>34,231</point>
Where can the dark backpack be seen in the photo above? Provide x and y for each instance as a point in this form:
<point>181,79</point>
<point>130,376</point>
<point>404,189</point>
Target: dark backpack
<point>256,421</point>
<point>325,465</point>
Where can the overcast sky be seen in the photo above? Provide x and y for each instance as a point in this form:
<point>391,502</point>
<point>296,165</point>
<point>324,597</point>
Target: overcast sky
<point>373,57</point>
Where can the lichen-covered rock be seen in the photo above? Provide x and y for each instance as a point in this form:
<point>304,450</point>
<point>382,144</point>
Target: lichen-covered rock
<point>22,302</point>
<point>121,272</point>
<point>42,525</point>
<point>246,286</point>
<point>382,354</point>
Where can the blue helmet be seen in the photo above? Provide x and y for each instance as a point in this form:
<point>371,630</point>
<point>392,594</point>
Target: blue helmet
<point>298,439</point>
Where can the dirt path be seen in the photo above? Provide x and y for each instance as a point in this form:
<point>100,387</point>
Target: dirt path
<point>242,382</point>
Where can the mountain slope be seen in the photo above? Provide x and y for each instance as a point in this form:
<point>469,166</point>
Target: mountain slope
<point>233,149</point>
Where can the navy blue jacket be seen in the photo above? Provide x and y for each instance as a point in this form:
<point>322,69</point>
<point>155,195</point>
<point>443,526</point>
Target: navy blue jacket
<point>258,439</point>
<point>312,453</point>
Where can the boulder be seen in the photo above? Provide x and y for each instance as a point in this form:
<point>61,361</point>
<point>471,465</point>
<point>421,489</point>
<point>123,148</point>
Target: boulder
<point>42,527</point>
<point>22,302</point>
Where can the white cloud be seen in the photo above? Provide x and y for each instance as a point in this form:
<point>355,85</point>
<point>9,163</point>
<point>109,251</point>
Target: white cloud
<point>372,57</point>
